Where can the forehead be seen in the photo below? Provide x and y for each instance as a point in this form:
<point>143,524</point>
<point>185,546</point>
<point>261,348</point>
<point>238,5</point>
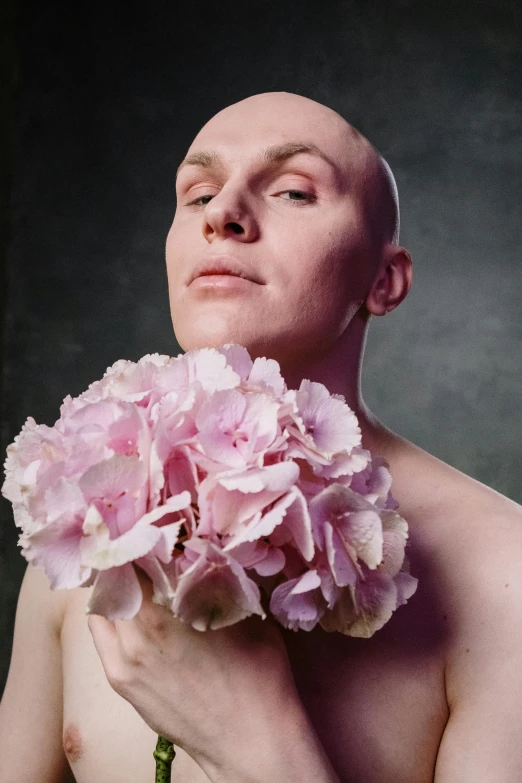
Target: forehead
<point>242,131</point>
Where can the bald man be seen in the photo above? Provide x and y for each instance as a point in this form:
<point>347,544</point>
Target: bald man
<point>285,239</point>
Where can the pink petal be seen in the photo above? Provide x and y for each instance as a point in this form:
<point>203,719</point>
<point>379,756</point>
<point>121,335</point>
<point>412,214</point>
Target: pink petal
<point>356,521</point>
<point>182,473</point>
<point>309,581</point>
<point>110,478</point>
<point>168,540</point>
<point>237,358</point>
<point>129,434</point>
<point>330,590</point>
<point>156,477</point>
<point>364,610</point>
<point>56,548</point>
<point>249,553</point>
<point>380,478</point>
<point>298,604</point>
<point>134,382</point>
<point>273,562</point>
<point>267,372</point>
<point>228,501</point>
<point>35,448</point>
<point>406,585</point>
<point>363,531</point>
<point>332,424</point>
<point>341,557</point>
<point>174,503</point>
<point>296,527</point>
<point>163,592</point>
<point>215,592</point>
<point>274,478</point>
<point>64,496</point>
<point>262,525</point>
<point>395,535</point>
<point>234,426</point>
<point>224,511</point>
<point>219,423</point>
<point>116,594</point>
<point>342,615</point>
<point>376,599</point>
<point>346,463</point>
<point>175,420</point>
<point>205,366</point>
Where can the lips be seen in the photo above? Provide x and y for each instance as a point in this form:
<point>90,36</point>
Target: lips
<point>223,266</point>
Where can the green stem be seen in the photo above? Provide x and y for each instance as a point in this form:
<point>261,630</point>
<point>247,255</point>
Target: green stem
<point>164,755</point>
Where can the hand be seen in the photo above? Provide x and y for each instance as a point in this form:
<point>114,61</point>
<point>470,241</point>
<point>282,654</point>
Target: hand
<point>216,694</point>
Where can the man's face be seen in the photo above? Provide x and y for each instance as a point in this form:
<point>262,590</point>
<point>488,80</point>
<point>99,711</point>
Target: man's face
<point>272,190</point>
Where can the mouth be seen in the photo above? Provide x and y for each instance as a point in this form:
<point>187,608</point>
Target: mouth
<point>222,267</point>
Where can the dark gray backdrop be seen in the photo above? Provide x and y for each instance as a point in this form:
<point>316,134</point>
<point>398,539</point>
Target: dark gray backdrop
<point>110,100</point>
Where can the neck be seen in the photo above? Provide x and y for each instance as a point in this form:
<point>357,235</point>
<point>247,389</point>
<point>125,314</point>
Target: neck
<point>340,371</point>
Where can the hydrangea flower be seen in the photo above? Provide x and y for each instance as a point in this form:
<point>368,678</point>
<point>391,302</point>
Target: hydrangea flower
<point>221,484</point>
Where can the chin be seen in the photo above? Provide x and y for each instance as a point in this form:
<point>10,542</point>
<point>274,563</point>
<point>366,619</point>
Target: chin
<point>256,346</point>
<point>211,324</point>
<point>209,335</point>
<point>213,331</point>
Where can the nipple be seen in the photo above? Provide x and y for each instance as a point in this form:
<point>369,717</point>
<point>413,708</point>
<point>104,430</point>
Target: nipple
<point>72,742</point>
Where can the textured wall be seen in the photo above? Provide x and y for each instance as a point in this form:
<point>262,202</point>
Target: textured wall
<point>109,103</point>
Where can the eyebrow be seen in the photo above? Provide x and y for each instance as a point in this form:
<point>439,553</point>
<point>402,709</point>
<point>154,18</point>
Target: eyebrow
<point>276,153</point>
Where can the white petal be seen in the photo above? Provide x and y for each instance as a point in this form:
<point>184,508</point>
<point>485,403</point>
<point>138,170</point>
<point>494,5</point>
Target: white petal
<point>102,553</point>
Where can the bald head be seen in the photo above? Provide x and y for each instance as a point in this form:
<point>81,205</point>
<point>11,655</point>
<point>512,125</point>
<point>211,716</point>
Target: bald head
<point>303,210</point>
<point>312,123</point>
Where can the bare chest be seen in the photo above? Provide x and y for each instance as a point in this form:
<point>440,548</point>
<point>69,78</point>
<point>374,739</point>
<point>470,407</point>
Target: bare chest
<point>377,705</point>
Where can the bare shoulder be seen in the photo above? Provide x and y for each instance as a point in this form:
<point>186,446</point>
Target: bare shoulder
<point>466,538</point>
<point>466,542</point>
<point>467,522</point>
<point>460,516</point>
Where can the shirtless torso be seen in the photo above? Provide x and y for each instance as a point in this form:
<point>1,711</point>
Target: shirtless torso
<point>380,706</point>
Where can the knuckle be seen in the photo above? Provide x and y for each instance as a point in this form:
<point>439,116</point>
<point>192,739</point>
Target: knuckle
<point>158,626</point>
<point>154,623</point>
<point>134,653</point>
<point>117,677</point>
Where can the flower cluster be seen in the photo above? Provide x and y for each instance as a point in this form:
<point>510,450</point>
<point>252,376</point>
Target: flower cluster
<point>222,485</point>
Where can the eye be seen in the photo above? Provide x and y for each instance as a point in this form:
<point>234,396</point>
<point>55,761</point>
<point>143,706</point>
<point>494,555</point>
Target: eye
<point>295,196</point>
<point>198,202</point>
<point>298,196</point>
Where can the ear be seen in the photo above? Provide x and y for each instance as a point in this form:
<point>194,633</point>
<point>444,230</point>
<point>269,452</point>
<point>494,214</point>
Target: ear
<point>392,282</point>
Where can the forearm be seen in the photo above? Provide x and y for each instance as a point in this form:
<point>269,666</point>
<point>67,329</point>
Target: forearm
<point>289,749</point>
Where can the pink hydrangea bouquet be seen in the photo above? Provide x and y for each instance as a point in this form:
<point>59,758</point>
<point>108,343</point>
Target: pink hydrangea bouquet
<point>226,488</point>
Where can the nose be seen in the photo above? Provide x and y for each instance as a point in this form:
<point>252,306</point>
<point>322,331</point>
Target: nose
<point>227,215</point>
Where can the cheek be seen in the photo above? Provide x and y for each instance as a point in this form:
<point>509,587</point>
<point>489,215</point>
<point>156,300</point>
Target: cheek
<point>171,243</point>
<point>330,271</point>
<point>175,249</point>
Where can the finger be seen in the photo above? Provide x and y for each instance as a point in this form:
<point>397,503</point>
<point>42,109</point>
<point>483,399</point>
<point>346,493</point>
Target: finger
<point>105,638</point>
<point>150,614</point>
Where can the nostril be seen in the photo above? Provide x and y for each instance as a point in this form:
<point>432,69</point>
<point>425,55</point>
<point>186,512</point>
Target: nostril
<point>236,228</point>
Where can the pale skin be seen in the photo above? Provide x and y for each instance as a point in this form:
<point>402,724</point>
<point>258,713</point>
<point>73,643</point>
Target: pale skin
<point>436,695</point>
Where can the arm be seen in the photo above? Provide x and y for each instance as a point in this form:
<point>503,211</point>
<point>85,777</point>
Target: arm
<point>482,740</point>
<point>31,706</point>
